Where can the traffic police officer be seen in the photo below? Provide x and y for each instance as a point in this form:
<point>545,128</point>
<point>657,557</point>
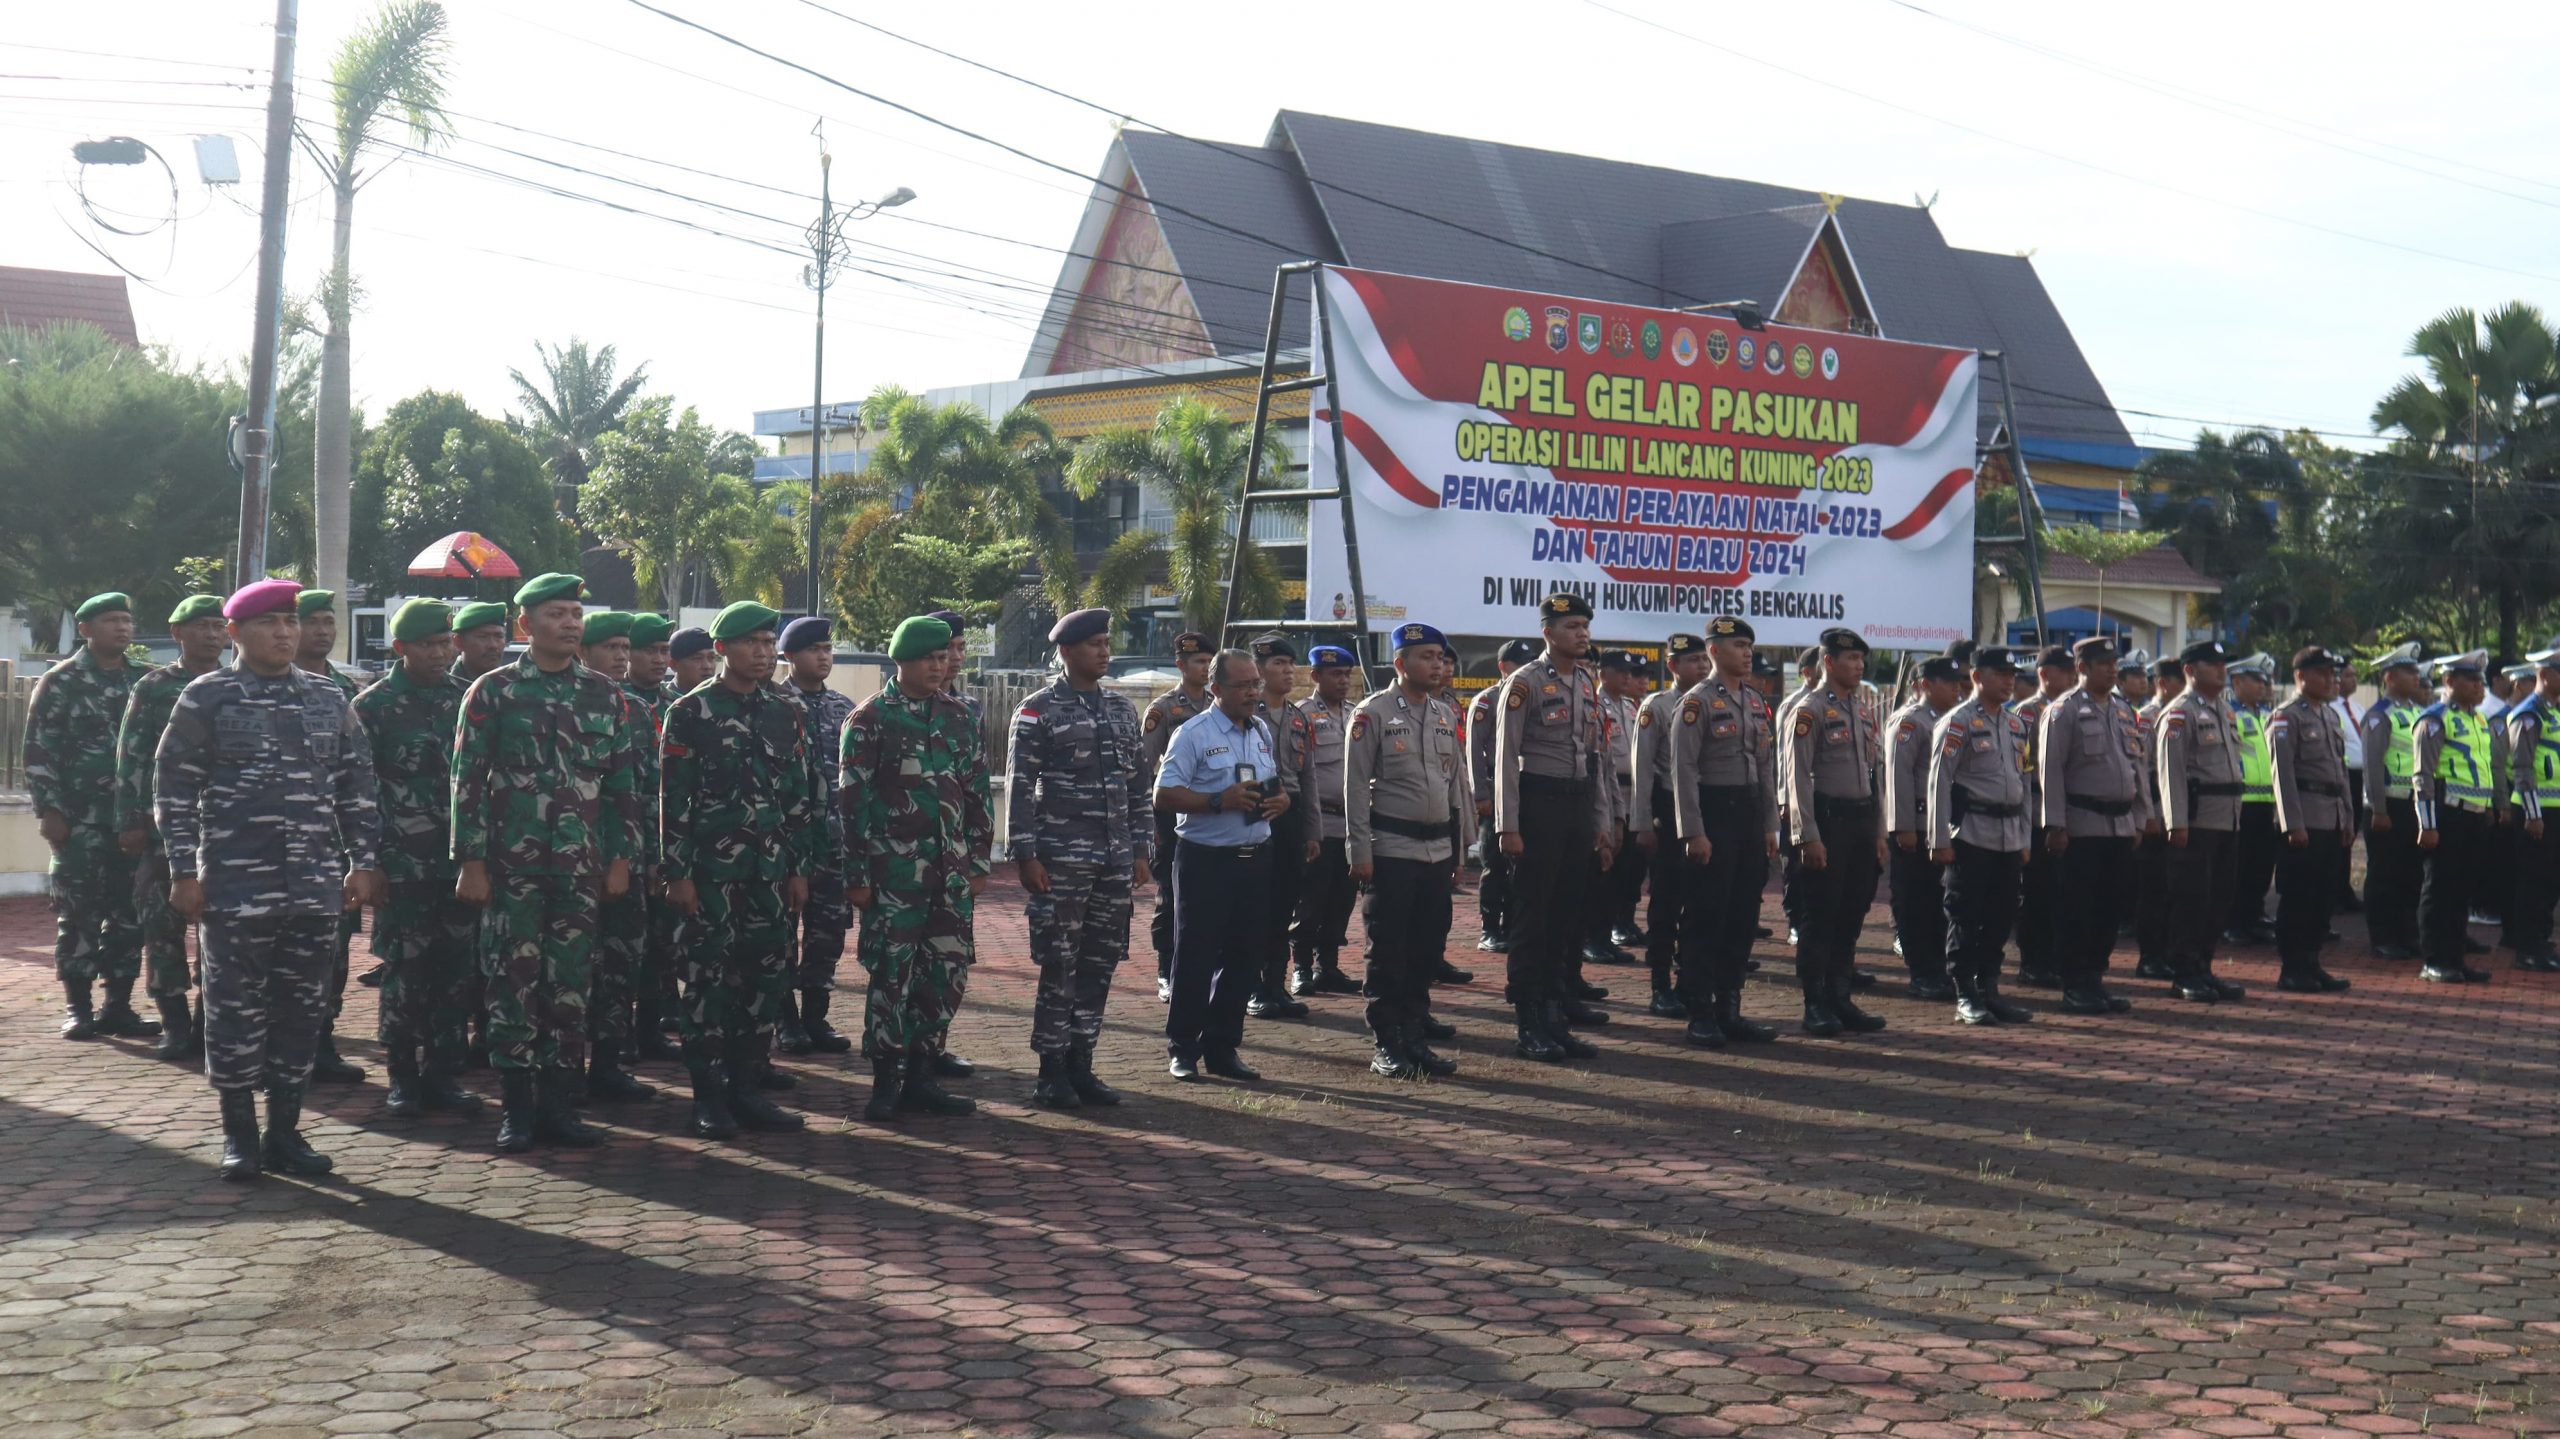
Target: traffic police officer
<point>1725,793</point>
<point>1916,876</point>
<point>1166,713</point>
<point>1828,763</point>
<point>2252,693</point>
<point>2533,742</point>
<point>1493,889</point>
<point>2307,760</point>
<point>1554,810</point>
<point>2091,803</point>
<point>2199,774</point>
<point>1979,831</point>
<point>2391,832</point>
<point>1405,806</point>
<point>1655,824</point>
<point>2459,760</point>
<point>1317,930</point>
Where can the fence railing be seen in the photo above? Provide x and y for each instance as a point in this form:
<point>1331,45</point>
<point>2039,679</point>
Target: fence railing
<point>17,685</point>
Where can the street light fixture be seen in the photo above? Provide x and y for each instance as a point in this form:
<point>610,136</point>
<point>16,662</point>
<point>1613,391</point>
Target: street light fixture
<point>828,251</point>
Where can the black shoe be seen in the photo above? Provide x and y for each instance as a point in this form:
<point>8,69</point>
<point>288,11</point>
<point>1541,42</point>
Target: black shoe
<point>406,1097</point>
<point>2542,963</point>
<point>284,1149</point>
<point>649,1043</point>
<point>1419,1050</point>
<point>2240,935</point>
<point>607,1081</point>
<point>1627,936</point>
<point>1184,1068</point>
<point>750,1069</point>
<point>760,1073</point>
<point>2395,951</point>
<point>1819,1021</point>
<point>2198,989</point>
<point>1665,1004</point>
<point>1971,1010</point>
<point>1934,989</point>
<point>1331,980</point>
<point>1559,1031</point>
<point>442,1091</point>
<point>1704,1032</point>
<point>947,1065</point>
<point>1533,1043</point>
<point>2295,981</point>
<point>1448,973</point>
<point>1438,1029</point>
<point>2116,1004</point>
<point>2155,969</point>
<point>2085,999</point>
<point>2475,975</point>
<point>1388,1061</point>
<point>240,1146</point>
<point>2434,973</point>
<point>923,1096</point>
<point>2005,1010</point>
<point>1736,1028</point>
<point>1860,981</point>
<point>2030,977</point>
<point>555,1114</point>
<point>1854,1019</point>
<point>179,1038</point>
<point>2329,983</point>
<point>2229,989</point>
<point>1228,1065</point>
<point>1587,993</point>
<point>888,1082</point>
<point>1302,980</point>
<point>1579,1014</point>
<point>1079,1060</point>
<point>1762,931</point>
<point>1051,1090</point>
<point>372,978</point>
<point>711,1116</point>
<point>1600,951</point>
<point>117,1018</point>
<point>79,1017</point>
<point>330,1067</point>
<point>824,1038</point>
<point>515,1111</point>
<point>789,1036</point>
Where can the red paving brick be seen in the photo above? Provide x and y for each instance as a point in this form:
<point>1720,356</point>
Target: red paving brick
<point>2319,1218</point>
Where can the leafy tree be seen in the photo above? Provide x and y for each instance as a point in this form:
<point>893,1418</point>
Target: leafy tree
<point>666,487</point>
<point>1193,456</point>
<point>580,398</point>
<point>392,66</point>
<point>435,466</point>
<point>2100,550</point>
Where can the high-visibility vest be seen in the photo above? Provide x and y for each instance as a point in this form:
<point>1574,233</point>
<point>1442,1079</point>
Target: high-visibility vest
<point>2257,762</point>
<point>2401,760</point>
<point>2546,756</point>
<point>2464,764</point>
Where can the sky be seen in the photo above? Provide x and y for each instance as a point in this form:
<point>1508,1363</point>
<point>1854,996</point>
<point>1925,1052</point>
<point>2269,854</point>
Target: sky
<point>2241,216</point>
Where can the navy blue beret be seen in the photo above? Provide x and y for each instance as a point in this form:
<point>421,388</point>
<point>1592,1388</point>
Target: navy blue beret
<point>1076,628</point>
<point>1519,652</point>
<point>1274,646</point>
<point>806,631</point>
<point>691,640</point>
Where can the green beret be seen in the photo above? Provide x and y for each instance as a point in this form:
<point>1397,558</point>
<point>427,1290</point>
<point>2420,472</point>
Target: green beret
<point>649,629</point>
<point>542,589</point>
<point>477,613</point>
<point>917,636</point>
<point>745,618</point>
<point>113,602</point>
<point>605,625</point>
<point>312,602</point>
<point>422,619</point>
<point>196,607</point>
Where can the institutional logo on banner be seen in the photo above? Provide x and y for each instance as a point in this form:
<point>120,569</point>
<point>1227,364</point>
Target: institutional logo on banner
<point>1622,339</point>
<point>1774,358</point>
<point>1586,333</point>
<point>1650,339</point>
<point>1515,323</point>
<point>1804,362</point>
<point>1559,328</point>
<point>1830,363</point>
<point>1718,346</point>
<point>1684,347</point>
<point>1745,351</point>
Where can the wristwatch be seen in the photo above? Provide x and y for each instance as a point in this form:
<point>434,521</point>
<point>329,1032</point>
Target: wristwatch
<point>1218,802</point>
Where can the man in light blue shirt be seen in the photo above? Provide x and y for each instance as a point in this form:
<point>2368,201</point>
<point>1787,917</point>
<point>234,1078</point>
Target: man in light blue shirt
<point>1219,781</point>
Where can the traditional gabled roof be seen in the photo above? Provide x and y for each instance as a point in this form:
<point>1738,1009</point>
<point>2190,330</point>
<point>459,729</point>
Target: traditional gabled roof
<point>2159,568</point>
<point>39,299</point>
<point>1418,203</point>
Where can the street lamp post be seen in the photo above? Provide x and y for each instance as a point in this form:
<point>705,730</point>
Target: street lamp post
<point>828,251</point>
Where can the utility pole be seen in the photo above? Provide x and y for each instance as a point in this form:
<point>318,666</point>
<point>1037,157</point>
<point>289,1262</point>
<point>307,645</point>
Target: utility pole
<point>827,252</point>
<point>258,436</point>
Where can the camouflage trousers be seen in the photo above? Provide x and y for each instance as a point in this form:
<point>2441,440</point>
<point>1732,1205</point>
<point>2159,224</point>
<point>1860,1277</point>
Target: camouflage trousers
<point>537,945</point>
<point>96,934</point>
<point>918,942</point>
<point>664,962</point>
<point>266,994</point>
<point>164,931</point>
<point>427,941</point>
<point>622,953</point>
<point>1079,935</point>
<point>737,965</point>
<point>823,922</point>
<point>350,924</point>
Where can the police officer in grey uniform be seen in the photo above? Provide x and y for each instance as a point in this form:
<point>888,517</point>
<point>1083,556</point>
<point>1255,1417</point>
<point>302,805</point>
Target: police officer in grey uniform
<point>264,794</point>
<point>1828,765</point>
<point>2307,755</point>
<point>1808,679</point>
<point>1979,830</point>
<point>1725,789</point>
<point>1493,889</point>
<point>2151,849</point>
<point>2038,926</point>
<point>1405,806</point>
<point>1655,824</point>
<point>1555,808</point>
<point>1916,877</point>
<point>2091,803</point>
<point>1294,842</point>
<point>1166,713</point>
<point>2198,764</point>
<point>1316,932</point>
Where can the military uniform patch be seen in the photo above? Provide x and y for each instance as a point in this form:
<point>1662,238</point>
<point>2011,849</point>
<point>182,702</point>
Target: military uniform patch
<point>1518,700</point>
<point>1644,719</point>
<point>1688,712</point>
<point>1155,717</point>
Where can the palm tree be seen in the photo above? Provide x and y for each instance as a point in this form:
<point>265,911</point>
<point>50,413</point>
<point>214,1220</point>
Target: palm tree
<point>580,398</point>
<point>394,65</point>
<point>1194,458</point>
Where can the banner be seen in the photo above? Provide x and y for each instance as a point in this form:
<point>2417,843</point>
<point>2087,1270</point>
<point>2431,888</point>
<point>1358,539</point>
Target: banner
<point>1668,467</point>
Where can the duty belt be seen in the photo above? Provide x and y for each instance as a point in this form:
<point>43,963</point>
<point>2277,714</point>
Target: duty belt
<point>2197,789</point>
<point>1329,806</point>
<point>1853,803</point>
<point>1554,784</point>
<point>2475,806</point>
<point>2111,808</point>
<point>1410,828</point>
<point>2321,787</point>
<point>1966,805</point>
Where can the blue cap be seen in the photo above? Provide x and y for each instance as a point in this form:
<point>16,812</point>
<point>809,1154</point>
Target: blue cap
<point>1420,634</point>
<point>1330,656</point>
<point>806,631</point>
<point>1082,625</point>
<point>1517,652</point>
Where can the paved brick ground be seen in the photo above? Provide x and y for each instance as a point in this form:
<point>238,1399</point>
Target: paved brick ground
<point>2318,1217</point>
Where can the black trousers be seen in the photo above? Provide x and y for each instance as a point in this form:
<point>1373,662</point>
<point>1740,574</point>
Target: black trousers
<point>2090,883</point>
<point>2453,871</point>
<point>2343,867</point>
<point>2200,883</point>
<point>1551,884</point>
<point>1618,887</point>
<point>1789,862</point>
<point>1666,872</point>
<point>2391,876</point>
<point>1408,919</point>
<point>1323,919</point>
<point>2039,930</point>
<point>1979,896</point>
<point>1720,905</point>
<point>2151,897</point>
<point>2253,865</point>
<point>1288,880</point>
<point>1493,888</point>
<point>1832,902</point>
<point>2537,886</point>
<point>1920,911</point>
<point>2498,872</point>
<point>1160,928</point>
<point>2306,894</point>
<point>1221,931</point>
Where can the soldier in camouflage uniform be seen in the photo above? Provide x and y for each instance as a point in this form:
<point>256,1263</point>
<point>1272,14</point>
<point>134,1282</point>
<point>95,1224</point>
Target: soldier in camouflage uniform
<point>808,647</point>
<point>425,937</point>
<point>946,1064</point>
<point>71,776</point>
<point>545,827</point>
<point>481,630</point>
<point>913,793</point>
<point>743,830</point>
<point>318,609</point>
<point>264,796</point>
<point>653,991</point>
<point>1078,799</point>
<point>1165,714</point>
<point>198,627</point>
<point>622,923</point>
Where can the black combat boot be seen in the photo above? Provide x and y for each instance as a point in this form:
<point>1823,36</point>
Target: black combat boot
<point>79,1017</point>
<point>2231,989</point>
<point>648,1039</point>
<point>515,1111</point>
<point>711,1116</point>
<point>1447,973</point>
<point>923,1096</point>
<point>888,1082</point>
<point>180,1039</point>
<point>1329,976</point>
<point>790,1037</point>
<point>442,1091</point>
<point>1987,989</point>
<point>1417,1047</point>
<point>1302,976</point>
<point>1852,1018</point>
<point>824,1038</point>
<point>1227,1064</point>
<point>748,1064</point>
<point>285,1150</point>
<point>327,1065</point>
<point>1666,1002</point>
<point>607,1081</point>
<point>1388,1060</point>
<point>1534,1043</point>
<point>406,1097</point>
<point>117,1017</point>
<point>1737,1028</point>
<point>239,1134</point>
<point>947,1065</point>
<point>1560,1030</point>
<point>1819,1021</point>
<point>1705,1029</point>
<point>1080,1076</point>
<point>1052,1091</point>
<point>555,1113</point>
<point>1579,1014</point>
<point>1969,1006</point>
<point>1431,1028</point>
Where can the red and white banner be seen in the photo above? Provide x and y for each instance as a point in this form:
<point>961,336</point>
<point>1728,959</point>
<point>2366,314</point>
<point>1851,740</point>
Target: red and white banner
<point>1670,467</point>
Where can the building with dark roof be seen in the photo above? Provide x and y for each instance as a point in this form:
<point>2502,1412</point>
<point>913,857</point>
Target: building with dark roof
<point>41,299</point>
